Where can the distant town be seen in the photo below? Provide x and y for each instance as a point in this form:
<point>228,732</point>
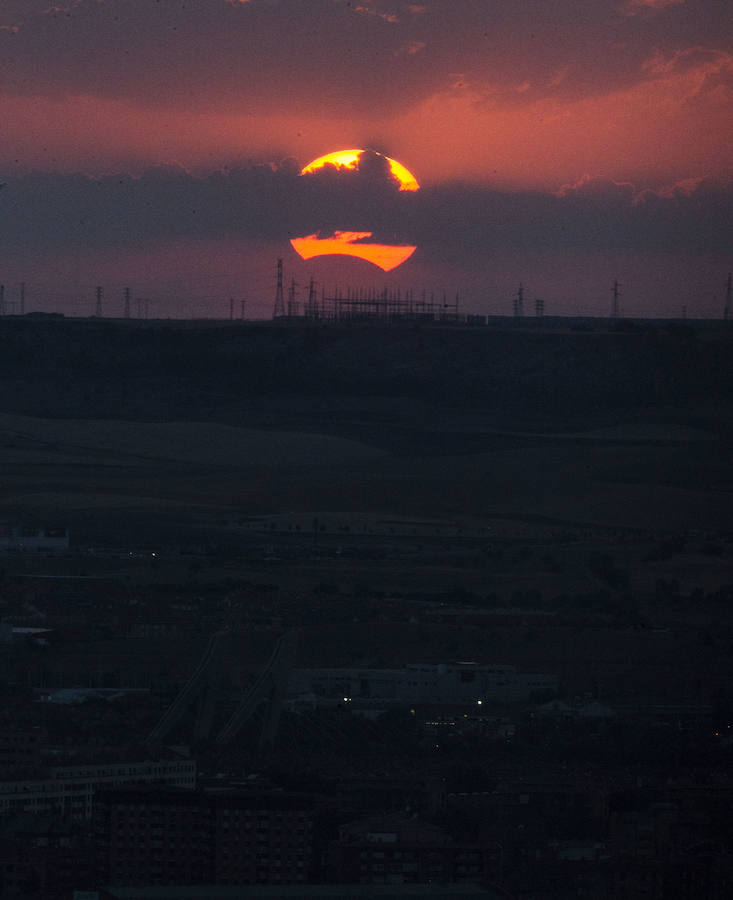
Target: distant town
<point>365,611</point>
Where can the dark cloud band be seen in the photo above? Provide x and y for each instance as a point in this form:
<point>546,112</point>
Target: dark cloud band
<point>52,211</point>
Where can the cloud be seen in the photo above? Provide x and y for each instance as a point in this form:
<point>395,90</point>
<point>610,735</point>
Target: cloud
<point>411,48</point>
<point>684,60</point>
<point>450,222</point>
<point>599,188</point>
<point>253,57</point>
<point>370,59</point>
<point>633,7</point>
<point>375,10</point>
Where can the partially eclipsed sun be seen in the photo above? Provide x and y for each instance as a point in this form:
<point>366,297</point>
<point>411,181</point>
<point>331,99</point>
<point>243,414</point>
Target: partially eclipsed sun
<point>349,159</point>
<point>356,243</point>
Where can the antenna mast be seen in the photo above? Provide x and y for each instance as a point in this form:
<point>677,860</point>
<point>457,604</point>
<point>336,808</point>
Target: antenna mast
<point>519,303</point>
<point>615,311</point>
<point>312,299</point>
<point>279,309</point>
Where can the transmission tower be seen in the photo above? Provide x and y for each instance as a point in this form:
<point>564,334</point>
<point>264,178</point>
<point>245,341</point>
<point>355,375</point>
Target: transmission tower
<point>539,308</point>
<point>519,303</point>
<point>98,307</point>
<point>728,309</point>
<point>127,303</point>
<point>615,309</point>
<point>2,299</point>
<point>279,309</point>
<point>22,298</point>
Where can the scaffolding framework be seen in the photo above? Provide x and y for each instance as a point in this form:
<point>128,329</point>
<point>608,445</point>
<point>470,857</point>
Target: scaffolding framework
<point>364,304</point>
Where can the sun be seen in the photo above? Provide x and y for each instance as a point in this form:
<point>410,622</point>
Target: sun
<point>356,243</point>
<point>349,159</point>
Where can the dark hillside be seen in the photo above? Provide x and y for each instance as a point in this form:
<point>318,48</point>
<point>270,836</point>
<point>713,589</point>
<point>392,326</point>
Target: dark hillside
<point>163,371</point>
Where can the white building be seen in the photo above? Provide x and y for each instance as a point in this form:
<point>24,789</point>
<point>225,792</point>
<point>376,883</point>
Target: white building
<point>460,682</point>
<point>69,791</point>
<point>21,537</point>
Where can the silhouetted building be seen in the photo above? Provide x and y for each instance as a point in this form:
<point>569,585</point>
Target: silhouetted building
<point>158,836</point>
<point>398,849</point>
<point>43,857</point>
<point>299,892</point>
<point>20,751</point>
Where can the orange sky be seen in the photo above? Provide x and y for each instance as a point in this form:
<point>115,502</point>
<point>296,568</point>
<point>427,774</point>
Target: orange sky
<point>526,96</point>
<point>673,127</point>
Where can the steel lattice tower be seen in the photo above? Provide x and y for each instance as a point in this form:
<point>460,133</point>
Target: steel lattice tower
<point>279,309</point>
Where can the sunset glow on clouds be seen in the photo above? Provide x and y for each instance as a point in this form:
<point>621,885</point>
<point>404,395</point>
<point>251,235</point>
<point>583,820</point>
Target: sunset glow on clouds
<point>479,100</point>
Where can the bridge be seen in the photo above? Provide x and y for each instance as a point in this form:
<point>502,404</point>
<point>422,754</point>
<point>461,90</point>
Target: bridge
<point>194,709</point>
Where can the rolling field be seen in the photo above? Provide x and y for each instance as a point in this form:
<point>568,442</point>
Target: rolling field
<point>146,422</point>
<point>361,477</point>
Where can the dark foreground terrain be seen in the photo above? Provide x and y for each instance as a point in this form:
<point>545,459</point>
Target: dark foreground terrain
<point>551,497</point>
<point>624,427</point>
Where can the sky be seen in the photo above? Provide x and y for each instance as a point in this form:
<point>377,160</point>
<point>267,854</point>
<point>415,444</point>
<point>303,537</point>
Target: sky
<point>558,143</point>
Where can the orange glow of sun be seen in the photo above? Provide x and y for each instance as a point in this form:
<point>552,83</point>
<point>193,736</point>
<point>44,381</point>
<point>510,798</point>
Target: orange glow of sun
<point>356,243</point>
<point>353,243</point>
<point>349,159</point>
